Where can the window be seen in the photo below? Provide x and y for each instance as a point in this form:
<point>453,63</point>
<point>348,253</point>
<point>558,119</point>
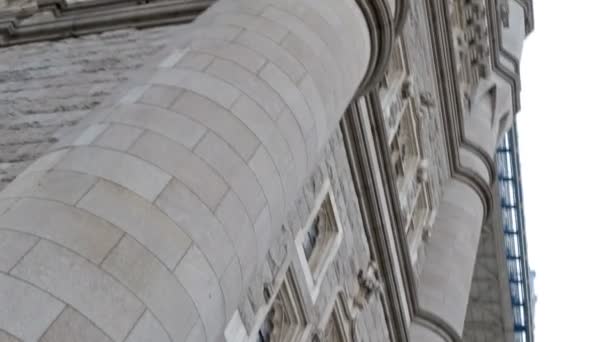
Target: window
<point>336,323</point>
<point>318,241</point>
<point>265,331</point>
<point>311,238</point>
<point>282,319</point>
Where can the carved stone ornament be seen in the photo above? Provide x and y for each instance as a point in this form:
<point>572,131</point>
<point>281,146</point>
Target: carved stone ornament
<point>369,285</point>
<point>503,9</point>
<point>472,45</point>
<point>422,173</point>
<point>427,99</point>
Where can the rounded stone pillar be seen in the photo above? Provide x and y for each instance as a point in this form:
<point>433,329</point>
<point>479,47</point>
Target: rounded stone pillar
<point>147,222</point>
<point>447,271</point>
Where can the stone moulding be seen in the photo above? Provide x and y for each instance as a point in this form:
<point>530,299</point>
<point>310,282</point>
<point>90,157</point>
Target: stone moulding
<point>57,19</point>
<point>401,12</point>
<point>382,32</point>
<point>422,315</point>
<point>497,49</point>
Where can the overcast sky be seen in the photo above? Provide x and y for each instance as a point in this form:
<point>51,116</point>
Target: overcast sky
<point>563,140</point>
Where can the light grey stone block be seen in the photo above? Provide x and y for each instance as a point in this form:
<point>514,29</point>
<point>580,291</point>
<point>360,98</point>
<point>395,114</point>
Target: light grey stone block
<point>220,32</point>
<point>295,140</point>
<point>160,96</point>
<point>203,84</point>
<point>195,273</point>
<point>250,84</point>
<point>195,60</point>
<point>263,233</point>
<point>237,224</point>
<point>175,126</point>
<point>148,329</point>
<point>64,186</point>
<point>254,23</point>
<point>263,166</point>
<point>86,234</point>
<point>14,245</point>
<point>232,287</point>
<point>119,137</point>
<point>197,334</point>
<point>89,134</point>
<point>173,57</point>
<point>185,209</point>
<point>294,98</point>
<point>234,170</point>
<point>184,165</point>
<point>296,26</point>
<point>220,121</point>
<point>324,79</point>
<point>130,172</point>
<point>274,53</point>
<point>140,219</point>
<point>6,203</point>
<point>6,337</point>
<point>47,161</point>
<point>26,311</point>
<point>71,326</point>
<point>83,285</point>
<point>255,118</point>
<point>243,56</point>
<point>155,285</point>
<point>317,108</point>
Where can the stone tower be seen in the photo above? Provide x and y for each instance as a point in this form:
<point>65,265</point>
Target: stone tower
<point>268,170</point>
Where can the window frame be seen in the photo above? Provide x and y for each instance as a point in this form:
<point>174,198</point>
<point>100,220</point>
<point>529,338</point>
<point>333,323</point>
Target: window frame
<point>287,291</point>
<point>327,244</point>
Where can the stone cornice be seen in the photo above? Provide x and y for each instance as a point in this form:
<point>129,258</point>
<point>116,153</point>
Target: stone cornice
<point>497,49</point>
<point>381,27</point>
<point>56,19</point>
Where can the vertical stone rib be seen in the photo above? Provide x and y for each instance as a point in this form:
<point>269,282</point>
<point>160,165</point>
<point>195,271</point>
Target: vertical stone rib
<point>136,222</point>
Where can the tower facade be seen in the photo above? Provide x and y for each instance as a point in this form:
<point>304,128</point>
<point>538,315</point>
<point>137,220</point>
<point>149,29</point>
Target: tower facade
<point>269,170</point>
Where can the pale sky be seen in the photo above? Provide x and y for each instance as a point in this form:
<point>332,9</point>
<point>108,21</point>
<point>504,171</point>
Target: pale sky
<point>563,138</point>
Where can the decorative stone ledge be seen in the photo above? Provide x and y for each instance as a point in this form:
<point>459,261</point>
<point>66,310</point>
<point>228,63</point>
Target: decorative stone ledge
<point>55,19</point>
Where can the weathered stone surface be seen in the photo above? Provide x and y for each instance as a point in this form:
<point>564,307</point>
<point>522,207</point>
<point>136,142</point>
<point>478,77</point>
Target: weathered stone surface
<point>26,311</point>
<point>14,245</point>
<point>138,218</point>
<point>155,286</point>
<point>148,329</point>
<point>72,326</point>
<point>79,283</point>
<point>88,235</point>
<point>48,87</point>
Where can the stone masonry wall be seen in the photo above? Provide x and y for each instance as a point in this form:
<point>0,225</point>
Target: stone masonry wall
<point>419,54</point>
<point>48,87</point>
<point>352,256</point>
<point>419,51</point>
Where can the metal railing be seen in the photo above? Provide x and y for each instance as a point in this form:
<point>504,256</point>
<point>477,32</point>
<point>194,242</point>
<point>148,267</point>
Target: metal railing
<point>510,190</point>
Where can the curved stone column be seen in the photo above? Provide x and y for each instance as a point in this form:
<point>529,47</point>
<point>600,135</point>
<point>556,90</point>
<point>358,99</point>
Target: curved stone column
<point>147,223</point>
<point>447,271</point>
